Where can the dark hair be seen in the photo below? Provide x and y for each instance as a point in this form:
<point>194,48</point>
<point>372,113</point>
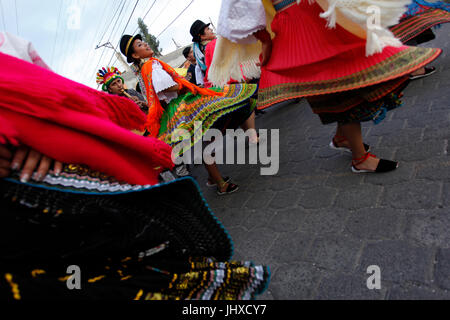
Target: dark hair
<point>131,51</point>
<point>186,52</point>
<point>198,38</point>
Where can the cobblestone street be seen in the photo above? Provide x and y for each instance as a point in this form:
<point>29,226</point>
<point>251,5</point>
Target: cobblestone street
<point>319,226</point>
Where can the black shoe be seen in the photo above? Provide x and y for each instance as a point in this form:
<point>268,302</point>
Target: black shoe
<point>383,165</point>
<point>232,188</point>
<point>428,72</point>
<point>259,112</point>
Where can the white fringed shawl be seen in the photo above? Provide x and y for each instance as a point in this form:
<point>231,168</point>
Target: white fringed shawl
<point>236,46</point>
<point>239,19</point>
<point>373,17</point>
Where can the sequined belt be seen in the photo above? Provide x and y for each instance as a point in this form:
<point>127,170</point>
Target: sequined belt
<point>284,4</point>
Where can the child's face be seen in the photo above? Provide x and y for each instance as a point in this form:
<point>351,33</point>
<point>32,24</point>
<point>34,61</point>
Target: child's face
<point>141,50</point>
<point>191,57</point>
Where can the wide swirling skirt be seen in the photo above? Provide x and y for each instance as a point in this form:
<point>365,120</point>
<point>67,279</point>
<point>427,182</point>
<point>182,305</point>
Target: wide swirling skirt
<point>227,112</point>
<point>331,69</point>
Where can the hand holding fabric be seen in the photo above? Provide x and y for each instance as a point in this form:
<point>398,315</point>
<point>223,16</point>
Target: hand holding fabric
<point>31,163</point>
<point>264,37</point>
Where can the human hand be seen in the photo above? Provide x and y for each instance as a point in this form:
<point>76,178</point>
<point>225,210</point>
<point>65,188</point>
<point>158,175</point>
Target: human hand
<point>33,164</point>
<point>266,52</point>
<point>266,41</point>
<point>5,161</point>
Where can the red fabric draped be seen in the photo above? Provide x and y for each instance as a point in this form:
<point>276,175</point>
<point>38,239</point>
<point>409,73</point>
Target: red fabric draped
<point>75,124</point>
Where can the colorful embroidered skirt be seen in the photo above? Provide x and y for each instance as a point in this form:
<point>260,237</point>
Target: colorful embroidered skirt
<point>227,112</point>
<point>417,25</point>
<point>130,242</point>
<point>308,59</point>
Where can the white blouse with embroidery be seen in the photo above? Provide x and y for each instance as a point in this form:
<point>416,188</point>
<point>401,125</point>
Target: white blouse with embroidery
<point>240,19</point>
<point>162,81</point>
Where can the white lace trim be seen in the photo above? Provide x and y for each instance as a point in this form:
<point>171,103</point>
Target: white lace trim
<point>162,81</point>
<point>91,185</point>
<point>240,19</point>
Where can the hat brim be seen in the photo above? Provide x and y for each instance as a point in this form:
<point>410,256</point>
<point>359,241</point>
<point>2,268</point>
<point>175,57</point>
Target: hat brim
<point>129,57</point>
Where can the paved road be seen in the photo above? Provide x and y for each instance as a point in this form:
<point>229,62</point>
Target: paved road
<point>319,227</point>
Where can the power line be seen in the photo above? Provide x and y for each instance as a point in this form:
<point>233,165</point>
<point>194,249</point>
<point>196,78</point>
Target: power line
<point>115,49</point>
<point>3,15</point>
<point>159,14</point>
<point>123,32</point>
<point>17,18</point>
<point>192,1</point>
<point>76,34</point>
<point>63,38</point>
<point>176,18</point>
<point>57,29</point>
<point>145,16</point>
<point>106,26</point>
<point>104,49</point>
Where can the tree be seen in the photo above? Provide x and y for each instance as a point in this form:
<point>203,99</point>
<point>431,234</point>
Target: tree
<point>149,38</point>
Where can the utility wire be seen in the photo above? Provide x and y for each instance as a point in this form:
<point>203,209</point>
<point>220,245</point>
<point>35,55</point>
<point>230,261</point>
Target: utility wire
<point>107,27</point>
<point>175,18</point>
<point>95,36</point>
<point>76,34</point>
<point>146,14</point>
<point>104,49</point>
<point>3,15</point>
<point>17,18</point>
<point>57,30</point>
<point>159,14</point>
<point>123,32</point>
<point>63,38</point>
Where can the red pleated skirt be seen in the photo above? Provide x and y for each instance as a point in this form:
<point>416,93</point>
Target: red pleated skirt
<point>308,59</point>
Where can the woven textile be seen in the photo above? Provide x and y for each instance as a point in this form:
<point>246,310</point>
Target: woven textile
<point>159,242</point>
<point>416,25</point>
<point>309,59</point>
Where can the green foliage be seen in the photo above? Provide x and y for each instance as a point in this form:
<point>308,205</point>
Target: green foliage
<point>149,38</point>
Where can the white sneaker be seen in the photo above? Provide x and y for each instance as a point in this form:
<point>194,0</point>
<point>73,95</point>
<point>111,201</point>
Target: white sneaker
<point>182,171</point>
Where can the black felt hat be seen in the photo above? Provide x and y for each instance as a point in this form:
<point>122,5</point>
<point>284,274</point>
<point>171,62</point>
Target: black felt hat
<point>197,29</point>
<point>126,45</point>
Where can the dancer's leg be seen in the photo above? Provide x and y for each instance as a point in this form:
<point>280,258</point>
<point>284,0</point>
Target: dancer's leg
<point>215,176</point>
<point>352,131</point>
<point>250,124</point>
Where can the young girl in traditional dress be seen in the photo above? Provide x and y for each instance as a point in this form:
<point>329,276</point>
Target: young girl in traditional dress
<point>350,70</point>
<point>175,103</point>
<point>204,40</point>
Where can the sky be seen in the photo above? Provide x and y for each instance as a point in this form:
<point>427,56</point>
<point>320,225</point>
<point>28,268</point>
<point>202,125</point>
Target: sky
<point>66,32</point>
